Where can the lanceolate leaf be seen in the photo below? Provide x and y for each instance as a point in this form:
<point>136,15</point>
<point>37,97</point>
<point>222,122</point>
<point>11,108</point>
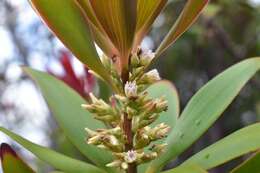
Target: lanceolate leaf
<point>205,107</point>
<point>147,11</point>
<point>65,105</point>
<point>239,143</point>
<point>187,169</point>
<point>189,14</point>
<point>118,18</point>
<point>98,32</point>
<point>251,165</point>
<point>67,21</point>
<point>11,162</point>
<point>103,42</point>
<point>57,160</point>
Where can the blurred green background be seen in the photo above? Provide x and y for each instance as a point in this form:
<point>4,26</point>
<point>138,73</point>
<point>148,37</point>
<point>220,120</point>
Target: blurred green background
<point>227,32</point>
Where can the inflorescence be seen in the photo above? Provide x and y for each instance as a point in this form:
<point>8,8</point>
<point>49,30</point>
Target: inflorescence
<point>140,109</point>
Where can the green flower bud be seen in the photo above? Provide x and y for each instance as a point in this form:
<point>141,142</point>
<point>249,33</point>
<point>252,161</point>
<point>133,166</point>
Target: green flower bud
<point>95,140</point>
<point>158,148</point>
<point>135,60</point>
<point>158,132</point>
<point>120,98</point>
<point>90,132</point>
<point>141,140</point>
<point>116,163</point>
<point>148,157</point>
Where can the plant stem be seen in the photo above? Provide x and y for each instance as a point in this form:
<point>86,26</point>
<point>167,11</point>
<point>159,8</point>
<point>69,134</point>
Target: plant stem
<point>127,126</point>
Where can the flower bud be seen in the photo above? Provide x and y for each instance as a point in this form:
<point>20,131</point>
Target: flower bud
<point>135,60</point>
<point>151,76</point>
<point>131,89</point>
<point>160,131</point>
<point>141,140</point>
<point>161,104</point>
<point>90,132</point>
<point>159,148</point>
<point>116,163</point>
<point>135,123</point>
<point>130,112</point>
<point>95,140</point>
<point>148,157</point>
<point>120,98</point>
<point>124,165</point>
<point>112,143</point>
<point>93,98</point>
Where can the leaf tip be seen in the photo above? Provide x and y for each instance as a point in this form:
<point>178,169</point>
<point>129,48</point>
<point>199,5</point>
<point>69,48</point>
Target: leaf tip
<point>6,149</point>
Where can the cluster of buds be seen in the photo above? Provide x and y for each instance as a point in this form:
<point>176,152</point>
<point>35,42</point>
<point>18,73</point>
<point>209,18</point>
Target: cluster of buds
<point>102,111</point>
<point>141,111</point>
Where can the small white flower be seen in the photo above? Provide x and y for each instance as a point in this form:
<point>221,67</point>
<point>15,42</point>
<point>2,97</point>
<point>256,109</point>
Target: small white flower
<point>153,75</point>
<point>146,57</point>
<point>131,89</point>
<point>130,156</point>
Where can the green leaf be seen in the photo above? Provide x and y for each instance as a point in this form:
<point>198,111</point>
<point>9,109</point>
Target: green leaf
<point>187,169</point>
<point>9,158</point>
<point>204,109</point>
<point>168,90</point>
<point>65,105</point>
<point>57,160</point>
<point>188,15</point>
<point>251,165</point>
<point>238,143</point>
<point>147,11</point>
<point>118,19</point>
<point>67,21</point>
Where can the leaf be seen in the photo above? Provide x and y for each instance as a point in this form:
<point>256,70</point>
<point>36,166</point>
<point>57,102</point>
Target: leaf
<point>118,19</point>
<point>250,165</point>
<point>188,15</point>
<point>97,30</point>
<point>9,158</point>
<point>67,21</point>
<point>204,109</point>
<point>147,12</point>
<point>238,143</point>
<point>57,160</point>
<point>187,169</point>
<point>65,105</point>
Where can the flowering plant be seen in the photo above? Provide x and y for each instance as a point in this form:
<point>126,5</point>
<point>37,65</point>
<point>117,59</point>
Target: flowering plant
<point>140,128</point>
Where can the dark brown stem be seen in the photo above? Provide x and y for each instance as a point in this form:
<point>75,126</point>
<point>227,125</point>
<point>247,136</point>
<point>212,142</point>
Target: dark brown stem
<point>127,126</point>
